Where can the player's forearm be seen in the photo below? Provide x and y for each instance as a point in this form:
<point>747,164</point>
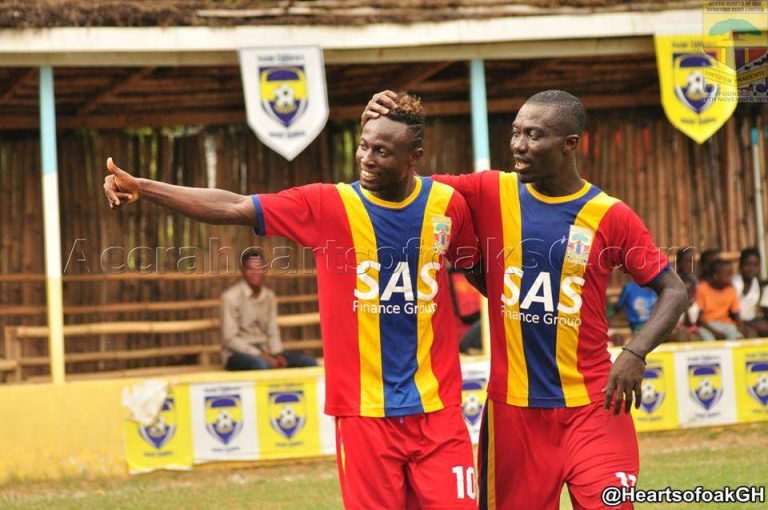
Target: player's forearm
<point>208,205</point>
<point>671,304</point>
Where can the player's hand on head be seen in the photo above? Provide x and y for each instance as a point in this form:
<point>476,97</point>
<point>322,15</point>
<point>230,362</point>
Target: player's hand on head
<point>379,104</point>
<point>120,186</point>
<point>624,383</point>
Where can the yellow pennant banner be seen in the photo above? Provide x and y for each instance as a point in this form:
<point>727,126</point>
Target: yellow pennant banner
<point>699,91</point>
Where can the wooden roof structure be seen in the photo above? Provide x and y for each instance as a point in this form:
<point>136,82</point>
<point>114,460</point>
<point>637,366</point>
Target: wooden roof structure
<point>162,96</point>
<point>127,63</point>
<point>139,13</point>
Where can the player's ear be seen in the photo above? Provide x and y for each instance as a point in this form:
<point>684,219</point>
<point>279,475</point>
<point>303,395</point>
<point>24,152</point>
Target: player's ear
<point>416,155</point>
<point>571,142</point>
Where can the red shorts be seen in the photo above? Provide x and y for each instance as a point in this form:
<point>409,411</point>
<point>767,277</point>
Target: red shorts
<point>417,461</point>
<point>528,454</point>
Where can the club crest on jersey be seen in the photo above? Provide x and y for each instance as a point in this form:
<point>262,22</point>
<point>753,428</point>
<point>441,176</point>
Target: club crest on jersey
<point>757,381</point>
<point>283,92</point>
<point>224,417</point>
<point>579,243</point>
<point>472,400</point>
<point>652,390</point>
<point>705,384</point>
<point>288,412</point>
<point>441,231</point>
<point>159,433</point>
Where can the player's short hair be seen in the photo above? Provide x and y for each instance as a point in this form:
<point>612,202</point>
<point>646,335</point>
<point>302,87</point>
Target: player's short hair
<point>410,112</point>
<point>748,252</point>
<point>250,253</point>
<point>571,112</point>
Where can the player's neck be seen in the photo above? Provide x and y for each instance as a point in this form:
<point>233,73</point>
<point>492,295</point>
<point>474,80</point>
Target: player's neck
<point>397,192</point>
<point>563,184</point>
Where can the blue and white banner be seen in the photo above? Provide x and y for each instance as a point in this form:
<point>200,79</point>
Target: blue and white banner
<point>285,96</point>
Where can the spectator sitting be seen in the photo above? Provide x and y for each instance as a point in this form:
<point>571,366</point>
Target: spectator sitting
<point>687,329</point>
<point>249,328</point>
<point>719,304</point>
<point>748,290</point>
<point>637,303</point>
<point>705,263</point>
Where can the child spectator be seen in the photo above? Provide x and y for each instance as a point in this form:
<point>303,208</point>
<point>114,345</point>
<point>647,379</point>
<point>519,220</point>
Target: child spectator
<point>687,329</point>
<point>748,290</point>
<point>705,262</point>
<point>637,303</point>
<point>719,304</point>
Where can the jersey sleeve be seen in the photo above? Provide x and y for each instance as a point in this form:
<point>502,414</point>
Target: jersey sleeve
<point>633,247</point>
<point>463,251</point>
<point>295,213</point>
<point>467,184</point>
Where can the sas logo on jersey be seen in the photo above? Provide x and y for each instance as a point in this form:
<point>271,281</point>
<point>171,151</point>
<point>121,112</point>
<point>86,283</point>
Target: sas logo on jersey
<point>472,392</point>
<point>705,384</point>
<point>288,412</point>
<point>441,231</point>
<point>652,391</point>
<point>579,243</point>
<point>159,433</point>
<point>757,381</point>
<point>283,92</point>
<point>224,417</point>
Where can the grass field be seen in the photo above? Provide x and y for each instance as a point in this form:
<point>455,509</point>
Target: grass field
<point>712,457</point>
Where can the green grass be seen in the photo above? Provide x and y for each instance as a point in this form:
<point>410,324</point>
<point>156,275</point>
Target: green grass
<point>712,457</point>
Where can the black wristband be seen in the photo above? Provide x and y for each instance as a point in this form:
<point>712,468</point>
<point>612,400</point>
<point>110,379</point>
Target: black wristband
<point>642,358</point>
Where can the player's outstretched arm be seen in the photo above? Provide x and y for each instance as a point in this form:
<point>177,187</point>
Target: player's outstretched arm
<point>626,377</point>
<point>202,204</point>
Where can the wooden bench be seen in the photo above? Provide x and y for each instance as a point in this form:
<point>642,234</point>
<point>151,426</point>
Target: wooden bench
<point>15,336</point>
<point>131,306</point>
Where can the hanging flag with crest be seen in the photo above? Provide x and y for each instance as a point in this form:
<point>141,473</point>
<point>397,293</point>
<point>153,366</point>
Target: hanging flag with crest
<point>285,96</point>
<point>699,91</point>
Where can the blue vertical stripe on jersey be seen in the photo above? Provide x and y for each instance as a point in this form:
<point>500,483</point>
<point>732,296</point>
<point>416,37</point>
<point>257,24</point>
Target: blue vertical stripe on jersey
<point>545,232</point>
<point>398,237</point>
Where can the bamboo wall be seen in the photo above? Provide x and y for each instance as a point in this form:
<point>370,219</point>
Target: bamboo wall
<point>687,194</point>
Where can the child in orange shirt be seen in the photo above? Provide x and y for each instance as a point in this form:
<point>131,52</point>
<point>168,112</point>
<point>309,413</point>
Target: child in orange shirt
<point>719,304</point>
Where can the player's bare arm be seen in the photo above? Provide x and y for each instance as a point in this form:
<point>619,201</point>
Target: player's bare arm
<point>202,204</point>
<point>627,373</point>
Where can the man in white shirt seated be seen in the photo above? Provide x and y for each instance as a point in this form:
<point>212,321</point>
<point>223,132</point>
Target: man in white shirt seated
<point>250,334</point>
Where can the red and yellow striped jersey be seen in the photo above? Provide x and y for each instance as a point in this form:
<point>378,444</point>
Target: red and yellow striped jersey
<point>386,314</point>
<point>548,261</point>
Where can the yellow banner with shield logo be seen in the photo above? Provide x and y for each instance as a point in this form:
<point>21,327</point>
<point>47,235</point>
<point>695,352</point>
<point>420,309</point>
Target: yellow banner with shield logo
<point>658,404</point>
<point>699,91</point>
<point>750,366</point>
<point>288,419</point>
<point>166,444</point>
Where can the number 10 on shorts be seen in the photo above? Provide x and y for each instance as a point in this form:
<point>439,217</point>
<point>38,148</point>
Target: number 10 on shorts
<point>465,482</point>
